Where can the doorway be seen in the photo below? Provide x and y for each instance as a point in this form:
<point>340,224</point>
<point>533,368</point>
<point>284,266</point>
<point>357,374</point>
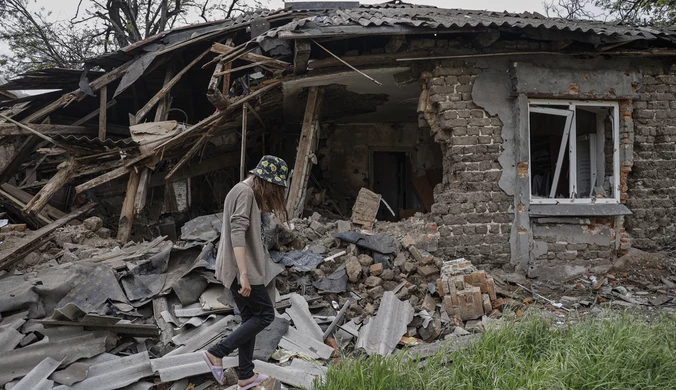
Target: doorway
<point>391,177</point>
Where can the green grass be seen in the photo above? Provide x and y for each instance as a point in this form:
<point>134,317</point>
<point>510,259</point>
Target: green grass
<point>620,352</point>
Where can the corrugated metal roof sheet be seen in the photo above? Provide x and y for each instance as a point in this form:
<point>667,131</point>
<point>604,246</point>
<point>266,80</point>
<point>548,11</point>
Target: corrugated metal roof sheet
<point>298,374</point>
<point>94,143</point>
<point>302,318</point>
<point>19,362</point>
<point>419,16</point>
<point>37,378</point>
<point>382,334</point>
<point>201,337</point>
<point>172,368</point>
<point>115,374</point>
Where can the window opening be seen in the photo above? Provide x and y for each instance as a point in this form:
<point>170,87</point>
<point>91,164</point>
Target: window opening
<point>574,152</point>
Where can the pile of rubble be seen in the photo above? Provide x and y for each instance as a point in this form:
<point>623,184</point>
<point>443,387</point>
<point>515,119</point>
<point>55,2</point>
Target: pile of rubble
<point>83,312</point>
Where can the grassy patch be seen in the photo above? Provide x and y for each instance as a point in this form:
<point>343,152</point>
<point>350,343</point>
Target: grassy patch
<point>621,352</point>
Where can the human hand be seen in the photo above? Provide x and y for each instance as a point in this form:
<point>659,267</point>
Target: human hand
<point>245,286</point>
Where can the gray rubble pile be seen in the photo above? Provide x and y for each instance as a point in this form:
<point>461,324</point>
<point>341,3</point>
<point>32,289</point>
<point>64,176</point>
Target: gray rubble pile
<point>97,315</point>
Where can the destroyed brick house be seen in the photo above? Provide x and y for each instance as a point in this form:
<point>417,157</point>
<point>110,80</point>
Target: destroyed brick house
<point>434,151</point>
<point>533,143</point>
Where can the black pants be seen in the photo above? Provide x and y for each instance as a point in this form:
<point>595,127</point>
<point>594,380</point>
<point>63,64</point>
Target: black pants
<point>257,313</point>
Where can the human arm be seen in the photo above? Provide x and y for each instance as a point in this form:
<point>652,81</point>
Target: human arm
<point>239,224</point>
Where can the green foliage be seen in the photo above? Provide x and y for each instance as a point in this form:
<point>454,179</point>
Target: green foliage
<point>37,41</point>
<point>654,12</point>
<point>616,353</point>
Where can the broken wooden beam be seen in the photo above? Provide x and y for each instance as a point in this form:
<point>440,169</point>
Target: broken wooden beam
<point>15,204</point>
<point>347,64</point>
<point>242,153</point>
<point>49,211</point>
<point>111,175</point>
<point>87,117</point>
<point>12,167</point>
<point>166,88</point>
<point>66,171</point>
<point>301,56</point>
<point>127,214</point>
<point>11,130</point>
<point>30,130</point>
<point>194,130</point>
<point>78,94</point>
<point>214,95</point>
<point>228,71</point>
<point>103,112</point>
<point>162,112</point>
<point>220,48</point>
<point>306,144</point>
<point>193,150</point>
<point>35,239</point>
<point>142,191</point>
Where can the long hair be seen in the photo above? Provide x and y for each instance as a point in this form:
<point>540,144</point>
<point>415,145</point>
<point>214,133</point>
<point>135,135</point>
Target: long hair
<point>270,198</point>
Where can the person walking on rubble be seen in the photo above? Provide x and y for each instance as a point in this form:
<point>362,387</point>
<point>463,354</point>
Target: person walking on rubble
<point>243,266</point>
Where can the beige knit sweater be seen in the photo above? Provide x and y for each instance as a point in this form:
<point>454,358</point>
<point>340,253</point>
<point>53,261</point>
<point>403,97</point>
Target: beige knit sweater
<point>242,227</point>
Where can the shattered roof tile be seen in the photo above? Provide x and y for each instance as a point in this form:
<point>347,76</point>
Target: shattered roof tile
<point>115,374</point>
<point>382,334</point>
<point>172,368</point>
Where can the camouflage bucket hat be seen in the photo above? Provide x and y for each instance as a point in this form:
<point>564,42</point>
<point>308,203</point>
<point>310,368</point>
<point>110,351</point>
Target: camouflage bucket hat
<point>272,169</point>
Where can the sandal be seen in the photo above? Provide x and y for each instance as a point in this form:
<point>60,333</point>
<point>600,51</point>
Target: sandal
<point>255,383</point>
<point>216,371</point>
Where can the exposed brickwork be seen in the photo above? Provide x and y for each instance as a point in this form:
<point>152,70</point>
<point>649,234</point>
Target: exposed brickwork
<point>473,212</point>
<point>651,185</point>
<point>573,250</point>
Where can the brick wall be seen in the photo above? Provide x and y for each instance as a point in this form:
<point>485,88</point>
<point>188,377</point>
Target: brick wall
<point>651,184</point>
<point>474,214</point>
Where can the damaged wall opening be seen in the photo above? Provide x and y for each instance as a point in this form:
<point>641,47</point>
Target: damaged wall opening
<point>391,176</point>
<point>574,152</point>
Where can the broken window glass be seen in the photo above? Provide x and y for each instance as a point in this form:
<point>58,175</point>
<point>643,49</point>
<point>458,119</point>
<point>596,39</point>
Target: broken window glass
<point>573,152</point>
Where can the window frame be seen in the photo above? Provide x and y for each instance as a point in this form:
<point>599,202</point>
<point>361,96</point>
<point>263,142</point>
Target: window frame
<point>572,148</point>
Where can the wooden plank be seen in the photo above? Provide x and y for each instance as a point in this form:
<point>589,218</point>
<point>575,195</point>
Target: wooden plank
<point>347,64</point>
<point>127,214</point>
<point>16,205</point>
<point>142,192</point>
<point>226,78</point>
<point>103,112</point>
<point>112,175</point>
<point>242,153</point>
<point>194,130</point>
<point>250,57</point>
<point>166,88</point>
<point>12,167</point>
<point>10,129</point>
<point>87,117</point>
<point>78,94</point>
<point>306,144</point>
<point>29,129</point>
<point>214,94</point>
<point>425,191</point>
<point>193,150</point>
<point>49,211</point>
<point>57,181</point>
<point>301,56</point>
<point>162,112</point>
<point>36,238</point>
<point>228,71</point>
